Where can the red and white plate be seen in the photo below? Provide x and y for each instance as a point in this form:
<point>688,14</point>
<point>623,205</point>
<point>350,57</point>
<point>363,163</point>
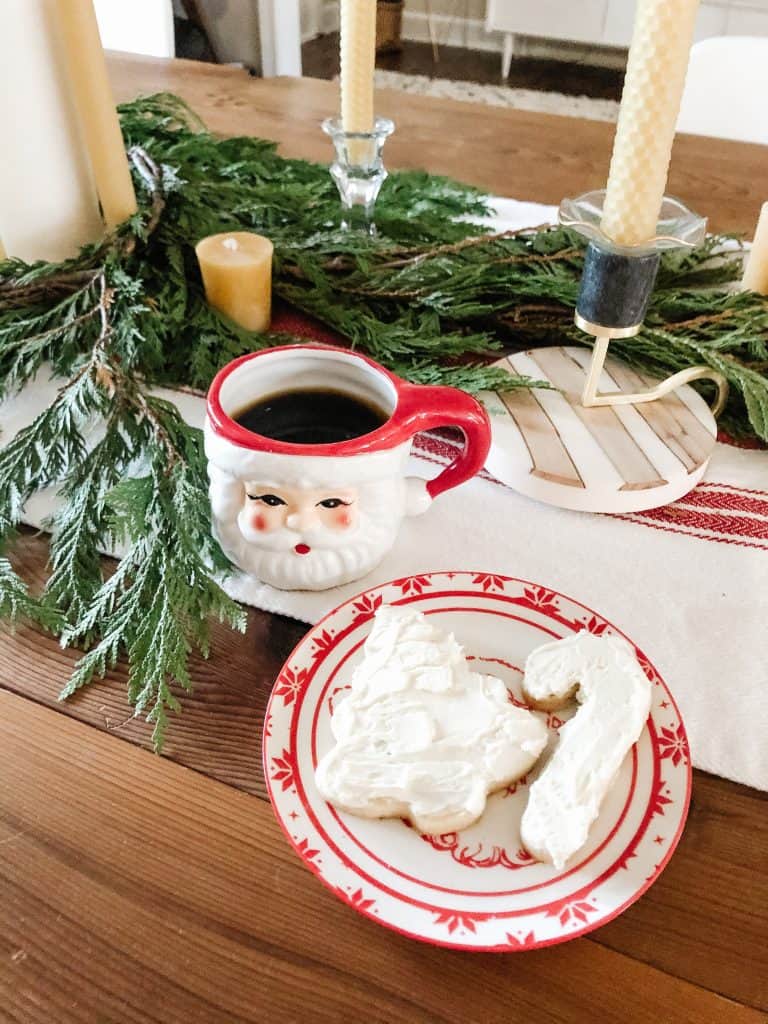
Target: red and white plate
<point>476,889</point>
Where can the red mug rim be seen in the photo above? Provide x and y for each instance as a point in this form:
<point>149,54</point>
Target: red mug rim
<point>390,434</point>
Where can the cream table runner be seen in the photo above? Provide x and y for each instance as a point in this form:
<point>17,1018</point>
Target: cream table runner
<point>688,583</point>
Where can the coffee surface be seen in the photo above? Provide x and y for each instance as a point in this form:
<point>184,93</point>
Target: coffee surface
<point>311,416</point>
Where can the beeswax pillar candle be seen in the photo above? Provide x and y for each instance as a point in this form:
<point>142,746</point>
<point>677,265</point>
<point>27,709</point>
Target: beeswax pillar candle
<point>653,87</point>
<point>756,271</point>
<point>79,33</point>
<point>237,274</point>
<point>358,57</point>
<point>48,206</point>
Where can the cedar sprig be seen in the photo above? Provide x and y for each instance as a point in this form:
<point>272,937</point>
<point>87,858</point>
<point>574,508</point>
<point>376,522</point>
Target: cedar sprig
<point>431,297</point>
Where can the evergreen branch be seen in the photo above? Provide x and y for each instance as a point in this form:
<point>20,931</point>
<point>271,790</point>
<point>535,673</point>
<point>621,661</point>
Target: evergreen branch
<point>433,297</point>
<point>17,605</point>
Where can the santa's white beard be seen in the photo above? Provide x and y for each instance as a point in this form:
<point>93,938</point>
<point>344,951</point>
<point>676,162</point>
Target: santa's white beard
<point>335,557</point>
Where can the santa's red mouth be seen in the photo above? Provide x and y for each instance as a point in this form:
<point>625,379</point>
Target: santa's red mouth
<point>302,549</point>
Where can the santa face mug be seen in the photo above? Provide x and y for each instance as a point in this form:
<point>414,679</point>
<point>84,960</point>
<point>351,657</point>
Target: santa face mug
<point>323,508</point>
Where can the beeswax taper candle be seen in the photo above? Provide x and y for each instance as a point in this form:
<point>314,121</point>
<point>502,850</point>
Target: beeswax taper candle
<point>79,34</point>
<point>756,271</point>
<point>358,57</point>
<point>237,274</point>
<point>653,87</point>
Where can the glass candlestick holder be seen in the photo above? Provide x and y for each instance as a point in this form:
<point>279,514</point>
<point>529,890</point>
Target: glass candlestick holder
<point>358,170</point>
<point>616,287</point>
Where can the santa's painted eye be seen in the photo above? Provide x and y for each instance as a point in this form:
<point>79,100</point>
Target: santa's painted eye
<point>332,503</point>
<point>268,499</point>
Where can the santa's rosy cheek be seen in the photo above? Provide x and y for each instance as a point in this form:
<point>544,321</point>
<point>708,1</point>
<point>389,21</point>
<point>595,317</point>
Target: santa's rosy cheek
<point>258,522</point>
<point>343,519</point>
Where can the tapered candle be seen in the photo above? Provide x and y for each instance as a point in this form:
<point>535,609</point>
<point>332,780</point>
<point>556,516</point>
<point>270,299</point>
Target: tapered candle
<point>237,274</point>
<point>358,57</point>
<point>87,69</point>
<point>653,88</point>
<point>756,271</point>
<point>48,206</point>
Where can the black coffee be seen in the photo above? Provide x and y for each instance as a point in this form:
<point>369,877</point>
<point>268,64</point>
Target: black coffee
<point>311,416</point>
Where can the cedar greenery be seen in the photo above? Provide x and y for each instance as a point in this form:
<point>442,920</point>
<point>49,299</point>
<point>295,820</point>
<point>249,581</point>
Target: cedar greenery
<point>430,297</point>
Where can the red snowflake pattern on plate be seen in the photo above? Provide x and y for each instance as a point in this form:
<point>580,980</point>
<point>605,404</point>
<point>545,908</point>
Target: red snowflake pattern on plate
<point>289,684</point>
<point>366,607</point>
<point>488,581</point>
<point>674,744</point>
<point>453,921</point>
<point>522,941</point>
<point>357,899</point>
<point>540,597</point>
<point>648,668</point>
<point>412,584</point>
<point>322,642</point>
<point>595,626</point>
<point>658,801</point>
<point>284,769</point>
<point>447,900</point>
<point>568,912</point>
<point>306,851</point>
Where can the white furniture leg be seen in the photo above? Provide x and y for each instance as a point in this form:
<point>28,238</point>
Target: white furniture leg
<point>507,54</point>
<point>280,30</point>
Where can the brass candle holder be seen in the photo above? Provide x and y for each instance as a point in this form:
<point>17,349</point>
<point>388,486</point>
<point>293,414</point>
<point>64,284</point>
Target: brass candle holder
<point>616,287</point>
<point>606,438</point>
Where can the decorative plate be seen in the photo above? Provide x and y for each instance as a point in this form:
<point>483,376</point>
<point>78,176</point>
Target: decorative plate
<point>476,889</point>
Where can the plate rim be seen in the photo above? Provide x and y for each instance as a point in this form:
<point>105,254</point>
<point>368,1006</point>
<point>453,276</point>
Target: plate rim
<point>344,897</point>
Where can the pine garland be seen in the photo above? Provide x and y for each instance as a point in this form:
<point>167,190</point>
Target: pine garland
<point>430,297</point>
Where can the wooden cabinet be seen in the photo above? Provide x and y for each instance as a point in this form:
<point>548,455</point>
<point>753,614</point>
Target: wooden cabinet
<point>609,22</point>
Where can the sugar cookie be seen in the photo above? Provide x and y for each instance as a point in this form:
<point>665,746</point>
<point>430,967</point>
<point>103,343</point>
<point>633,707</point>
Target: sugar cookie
<point>422,736</point>
<point>615,698</point>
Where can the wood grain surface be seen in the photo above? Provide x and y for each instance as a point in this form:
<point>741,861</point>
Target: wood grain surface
<point>132,900</point>
<point>508,152</point>
<point>702,922</point>
<point>137,888</point>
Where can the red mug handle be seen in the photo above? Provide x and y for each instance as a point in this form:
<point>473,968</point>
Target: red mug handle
<point>424,407</point>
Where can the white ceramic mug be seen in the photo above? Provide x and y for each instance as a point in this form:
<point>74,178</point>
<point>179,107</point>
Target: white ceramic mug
<point>312,516</point>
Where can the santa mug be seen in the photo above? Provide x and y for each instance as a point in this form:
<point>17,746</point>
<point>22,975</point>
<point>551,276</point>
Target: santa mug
<point>307,516</point>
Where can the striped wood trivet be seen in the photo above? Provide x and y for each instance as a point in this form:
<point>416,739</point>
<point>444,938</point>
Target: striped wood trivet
<point>604,459</point>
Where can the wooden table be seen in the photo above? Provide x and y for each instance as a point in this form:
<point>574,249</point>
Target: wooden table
<point>138,888</point>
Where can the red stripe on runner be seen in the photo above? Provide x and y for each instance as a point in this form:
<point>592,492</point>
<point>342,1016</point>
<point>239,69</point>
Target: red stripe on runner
<point>707,484</point>
<point>727,529</point>
<point>727,501</point>
<point>717,522</point>
<point>666,528</point>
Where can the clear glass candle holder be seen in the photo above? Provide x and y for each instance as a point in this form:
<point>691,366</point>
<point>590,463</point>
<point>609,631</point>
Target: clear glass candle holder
<point>616,287</point>
<point>358,170</point>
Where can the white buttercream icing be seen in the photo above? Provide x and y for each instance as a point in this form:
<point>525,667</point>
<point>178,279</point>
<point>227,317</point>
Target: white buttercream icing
<point>420,735</point>
<point>615,698</point>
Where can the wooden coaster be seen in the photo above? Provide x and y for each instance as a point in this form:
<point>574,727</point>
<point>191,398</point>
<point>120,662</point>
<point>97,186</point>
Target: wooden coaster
<point>622,458</point>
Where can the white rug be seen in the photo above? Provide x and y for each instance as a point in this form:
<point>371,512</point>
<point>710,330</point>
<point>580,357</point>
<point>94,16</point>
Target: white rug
<point>501,96</point>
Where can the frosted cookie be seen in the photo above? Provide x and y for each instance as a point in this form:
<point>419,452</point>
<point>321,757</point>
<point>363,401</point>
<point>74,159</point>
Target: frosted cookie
<point>615,698</point>
<point>420,735</point>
